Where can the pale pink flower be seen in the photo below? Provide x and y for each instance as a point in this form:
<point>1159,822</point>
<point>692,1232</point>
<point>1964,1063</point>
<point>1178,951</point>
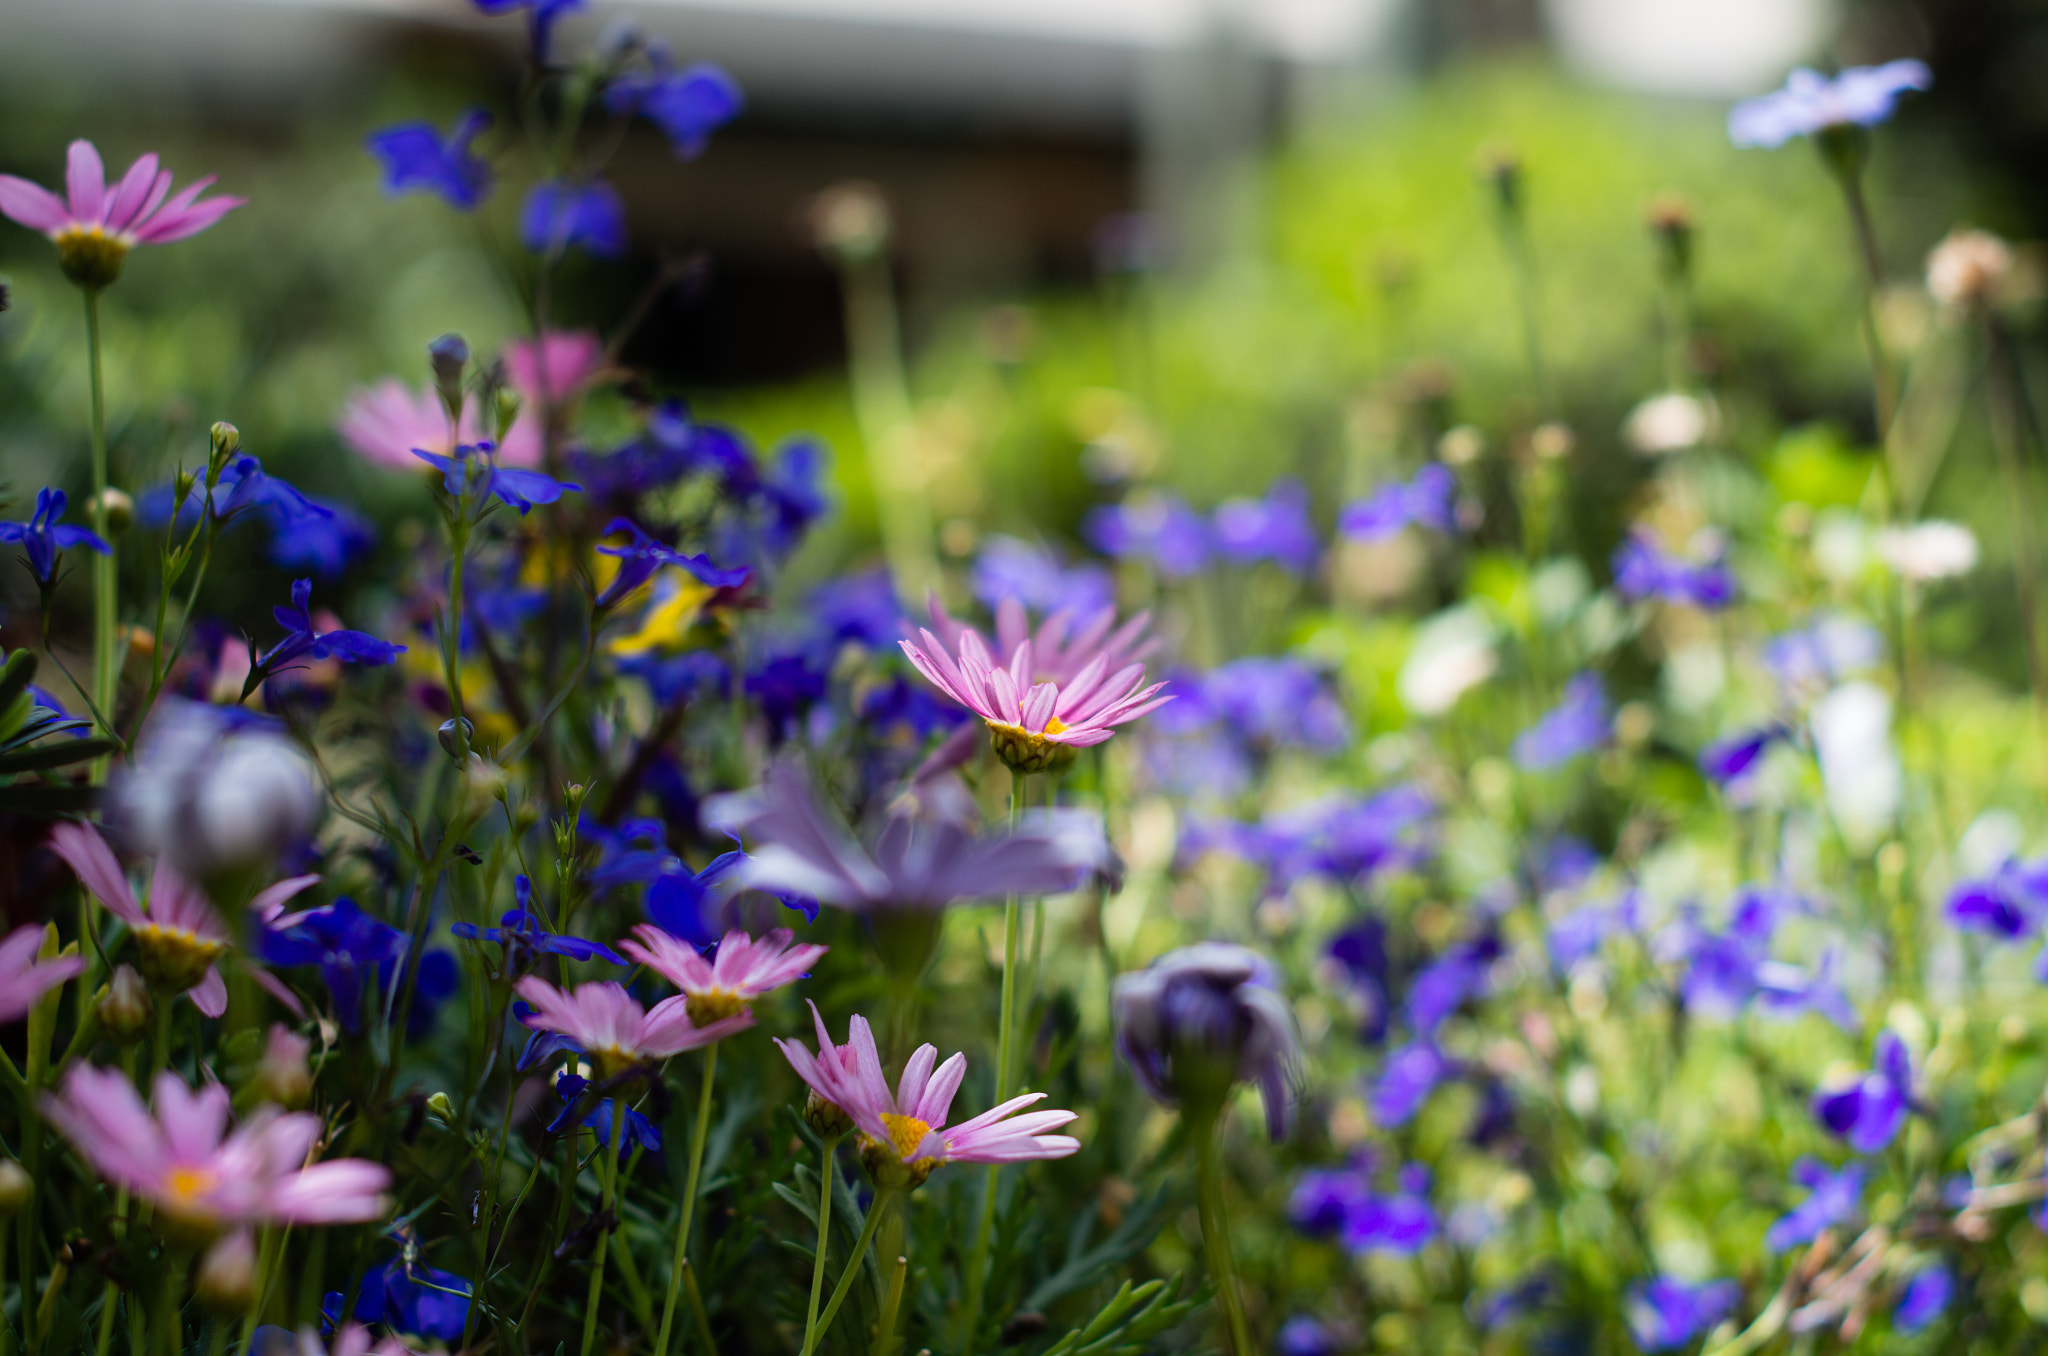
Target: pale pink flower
<point>195,1170</point>
<point>178,933</point>
<point>742,971</point>
<point>23,978</point>
<point>904,1134</point>
<point>352,1339</point>
<point>1036,725</point>
<point>614,1030</point>
<point>561,364</point>
<point>387,421</point>
<point>1060,648</point>
<point>95,226</point>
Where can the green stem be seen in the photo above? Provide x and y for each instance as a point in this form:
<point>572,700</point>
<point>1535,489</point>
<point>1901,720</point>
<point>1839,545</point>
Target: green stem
<point>604,1237</point>
<point>675,1279</point>
<point>828,1169</point>
<point>105,678</point>
<point>268,1248</point>
<point>885,1327</point>
<point>7,1332</point>
<point>884,1199</point>
<point>1215,1232</point>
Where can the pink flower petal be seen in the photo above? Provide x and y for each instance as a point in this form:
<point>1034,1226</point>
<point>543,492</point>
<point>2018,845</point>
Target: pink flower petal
<point>85,180</point>
<point>87,854</point>
<point>125,203</point>
<point>33,205</point>
<point>210,994</point>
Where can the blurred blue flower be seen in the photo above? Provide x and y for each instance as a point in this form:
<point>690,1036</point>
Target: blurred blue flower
<point>860,606</point>
<point>521,928</point>
<point>641,557</point>
<point>1411,1073</point>
<point>1810,102</point>
<point>680,677</point>
<point>1581,933</point>
<point>301,641</point>
<point>1823,652</point>
<point>687,105</point>
<point>639,1133</point>
<point>409,1296</point>
<point>1450,981</point>
<point>417,157</point>
<point>1010,568</point>
<point>1347,839</point>
<point>1303,1335</point>
<point>1833,1197</point>
<point>1787,990</point>
<point>1666,1313</point>
<point>324,545</point>
<point>474,468</point>
<point>2009,903</point>
<point>1643,570</point>
<point>1562,862</point>
<point>637,853</point>
<point>1429,500</point>
<point>899,703</point>
<point>1869,1112</point>
<point>560,216</point>
<point>1493,1308</point>
<point>543,17</point>
<point>346,944</point>
<point>1925,1298</point>
<point>1577,725</point>
<point>1158,529</point>
<point>1276,528</point>
<point>41,539</point>
<point>785,687</point>
<point>1727,761</point>
<point>1279,701</point>
<point>1345,1203</point>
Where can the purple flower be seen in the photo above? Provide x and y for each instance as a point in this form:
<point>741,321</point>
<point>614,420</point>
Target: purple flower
<point>559,216</point>
<point>1009,568</point>
<point>1577,725</point>
<point>544,14</point>
<point>418,158</point>
<point>41,539</point>
<point>1869,1112</point>
<point>521,928</point>
<point>1666,1313</point>
<point>1304,1335</point>
<point>639,1133</point>
<point>688,106</point>
<point>1429,500</point>
<point>1810,102</point>
<point>324,545</point>
<point>409,1296</point>
<point>1202,1018</point>
<point>1344,1203</point>
<point>1276,528</point>
<point>641,557</point>
<point>1642,570</point>
<point>1833,1197</point>
<point>1158,529</point>
<point>859,607</point>
<point>1450,981</point>
<point>1787,990</point>
<point>785,687</point>
<point>2009,903</point>
<point>1411,1074</point>
<point>636,853</point>
<point>1727,762</point>
<point>1582,932</point>
<point>302,642</point>
<point>1925,1298</point>
<point>345,943</point>
<point>1278,701</point>
<point>474,467</point>
<point>1821,653</point>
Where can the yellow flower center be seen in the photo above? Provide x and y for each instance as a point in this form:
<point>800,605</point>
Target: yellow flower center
<point>905,1133</point>
<point>189,1184</point>
<point>1055,726</point>
<point>174,958</point>
<point>1025,750</point>
<point>715,1006</point>
<point>90,257</point>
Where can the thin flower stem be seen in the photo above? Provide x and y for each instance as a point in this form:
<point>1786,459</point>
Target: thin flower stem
<point>604,1237</point>
<point>7,1331</point>
<point>885,1328</point>
<point>884,1199</point>
<point>675,1279</point>
<point>1883,395</point>
<point>828,1170</point>
<point>269,1250</point>
<point>104,675</point>
<point>1215,1232</point>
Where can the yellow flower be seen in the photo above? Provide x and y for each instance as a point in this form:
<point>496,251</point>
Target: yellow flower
<point>668,622</point>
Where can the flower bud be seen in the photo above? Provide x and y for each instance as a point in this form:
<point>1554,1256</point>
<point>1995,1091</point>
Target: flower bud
<point>851,222</point>
<point>125,1008</point>
<point>506,403</point>
<point>118,507</point>
<point>449,357</point>
<point>440,1105</point>
<point>226,440</point>
<point>226,1279</point>
<point>825,1117</point>
<point>1203,1018</point>
<point>451,742</point>
<point>283,1075</point>
<point>1670,218</point>
<point>16,1188</point>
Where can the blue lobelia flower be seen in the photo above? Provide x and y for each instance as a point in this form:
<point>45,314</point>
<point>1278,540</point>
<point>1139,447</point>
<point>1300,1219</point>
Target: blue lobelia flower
<point>324,545</point>
<point>2009,903</point>
<point>1925,1298</point>
<point>521,927</point>
<point>785,687</point>
<point>858,607</point>
<point>1582,932</point>
<point>1009,567</point>
<point>679,677</point>
<point>641,557</point>
<point>346,944</point>
<point>302,642</point>
<point>1451,980</point>
<point>407,1295</point>
<point>1276,528</point>
<point>1277,701</point>
<point>417,158</point>
<point>1577,725</point>
<point>640,1132</point>
<point>687,105</point>
<point>474,468</point>
<point>1869,1112</point>
<point>560,216</point>
<point>1411,1074</point>
<point>1787,990</point>
<point>1666,1313</point>
<point>544,14</point>
<point>1833,1196</point>
<point>1727,762</point>
<point>1304,1335</point>
<point>1821,653</point>
<point>1810,102</point>
<point>434,982</point>
<point>1644,570</point>
<point>1429,500</point>
<point>636,853</point>
<point>41,539</point>
<point>1346,1204</point>
<point>1158,529</point>
<point>779,505</point>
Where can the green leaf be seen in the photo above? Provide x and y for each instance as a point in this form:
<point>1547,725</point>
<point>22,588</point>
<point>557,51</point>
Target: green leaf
<point>46,801</point>
<point>15,676</point>
<point>56,754</point>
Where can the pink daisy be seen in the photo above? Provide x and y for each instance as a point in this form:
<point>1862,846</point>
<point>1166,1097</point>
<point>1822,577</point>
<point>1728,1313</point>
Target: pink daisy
<point>603,1021</point>
<point>387,421</point>
<point>23,978</point>
<point>206,1178</point>
<point>904,1135</point>
<point>1060,650</point>
<point>94,226</point>
<point>562,364</point>
<point>1035,725</point>
<point>742,970</point>
<point>178,934</point>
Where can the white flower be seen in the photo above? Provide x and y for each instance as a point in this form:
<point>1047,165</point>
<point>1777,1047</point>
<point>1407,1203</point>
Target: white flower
<point>1967,268</point>
<point>1670,422</point>
<point>1859,767</point>
<point>215,790</point>
<point>1453,653</point>
<point>1929,550</point>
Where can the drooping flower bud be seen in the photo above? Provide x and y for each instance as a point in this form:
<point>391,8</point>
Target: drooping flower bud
<point>226,1279</point>
<point>453,743</point>
<point>825,1117</point>
<point>119,508</point>
<point>449,357</point>
<point>1202,1019</point>
<point>125,1007</point>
